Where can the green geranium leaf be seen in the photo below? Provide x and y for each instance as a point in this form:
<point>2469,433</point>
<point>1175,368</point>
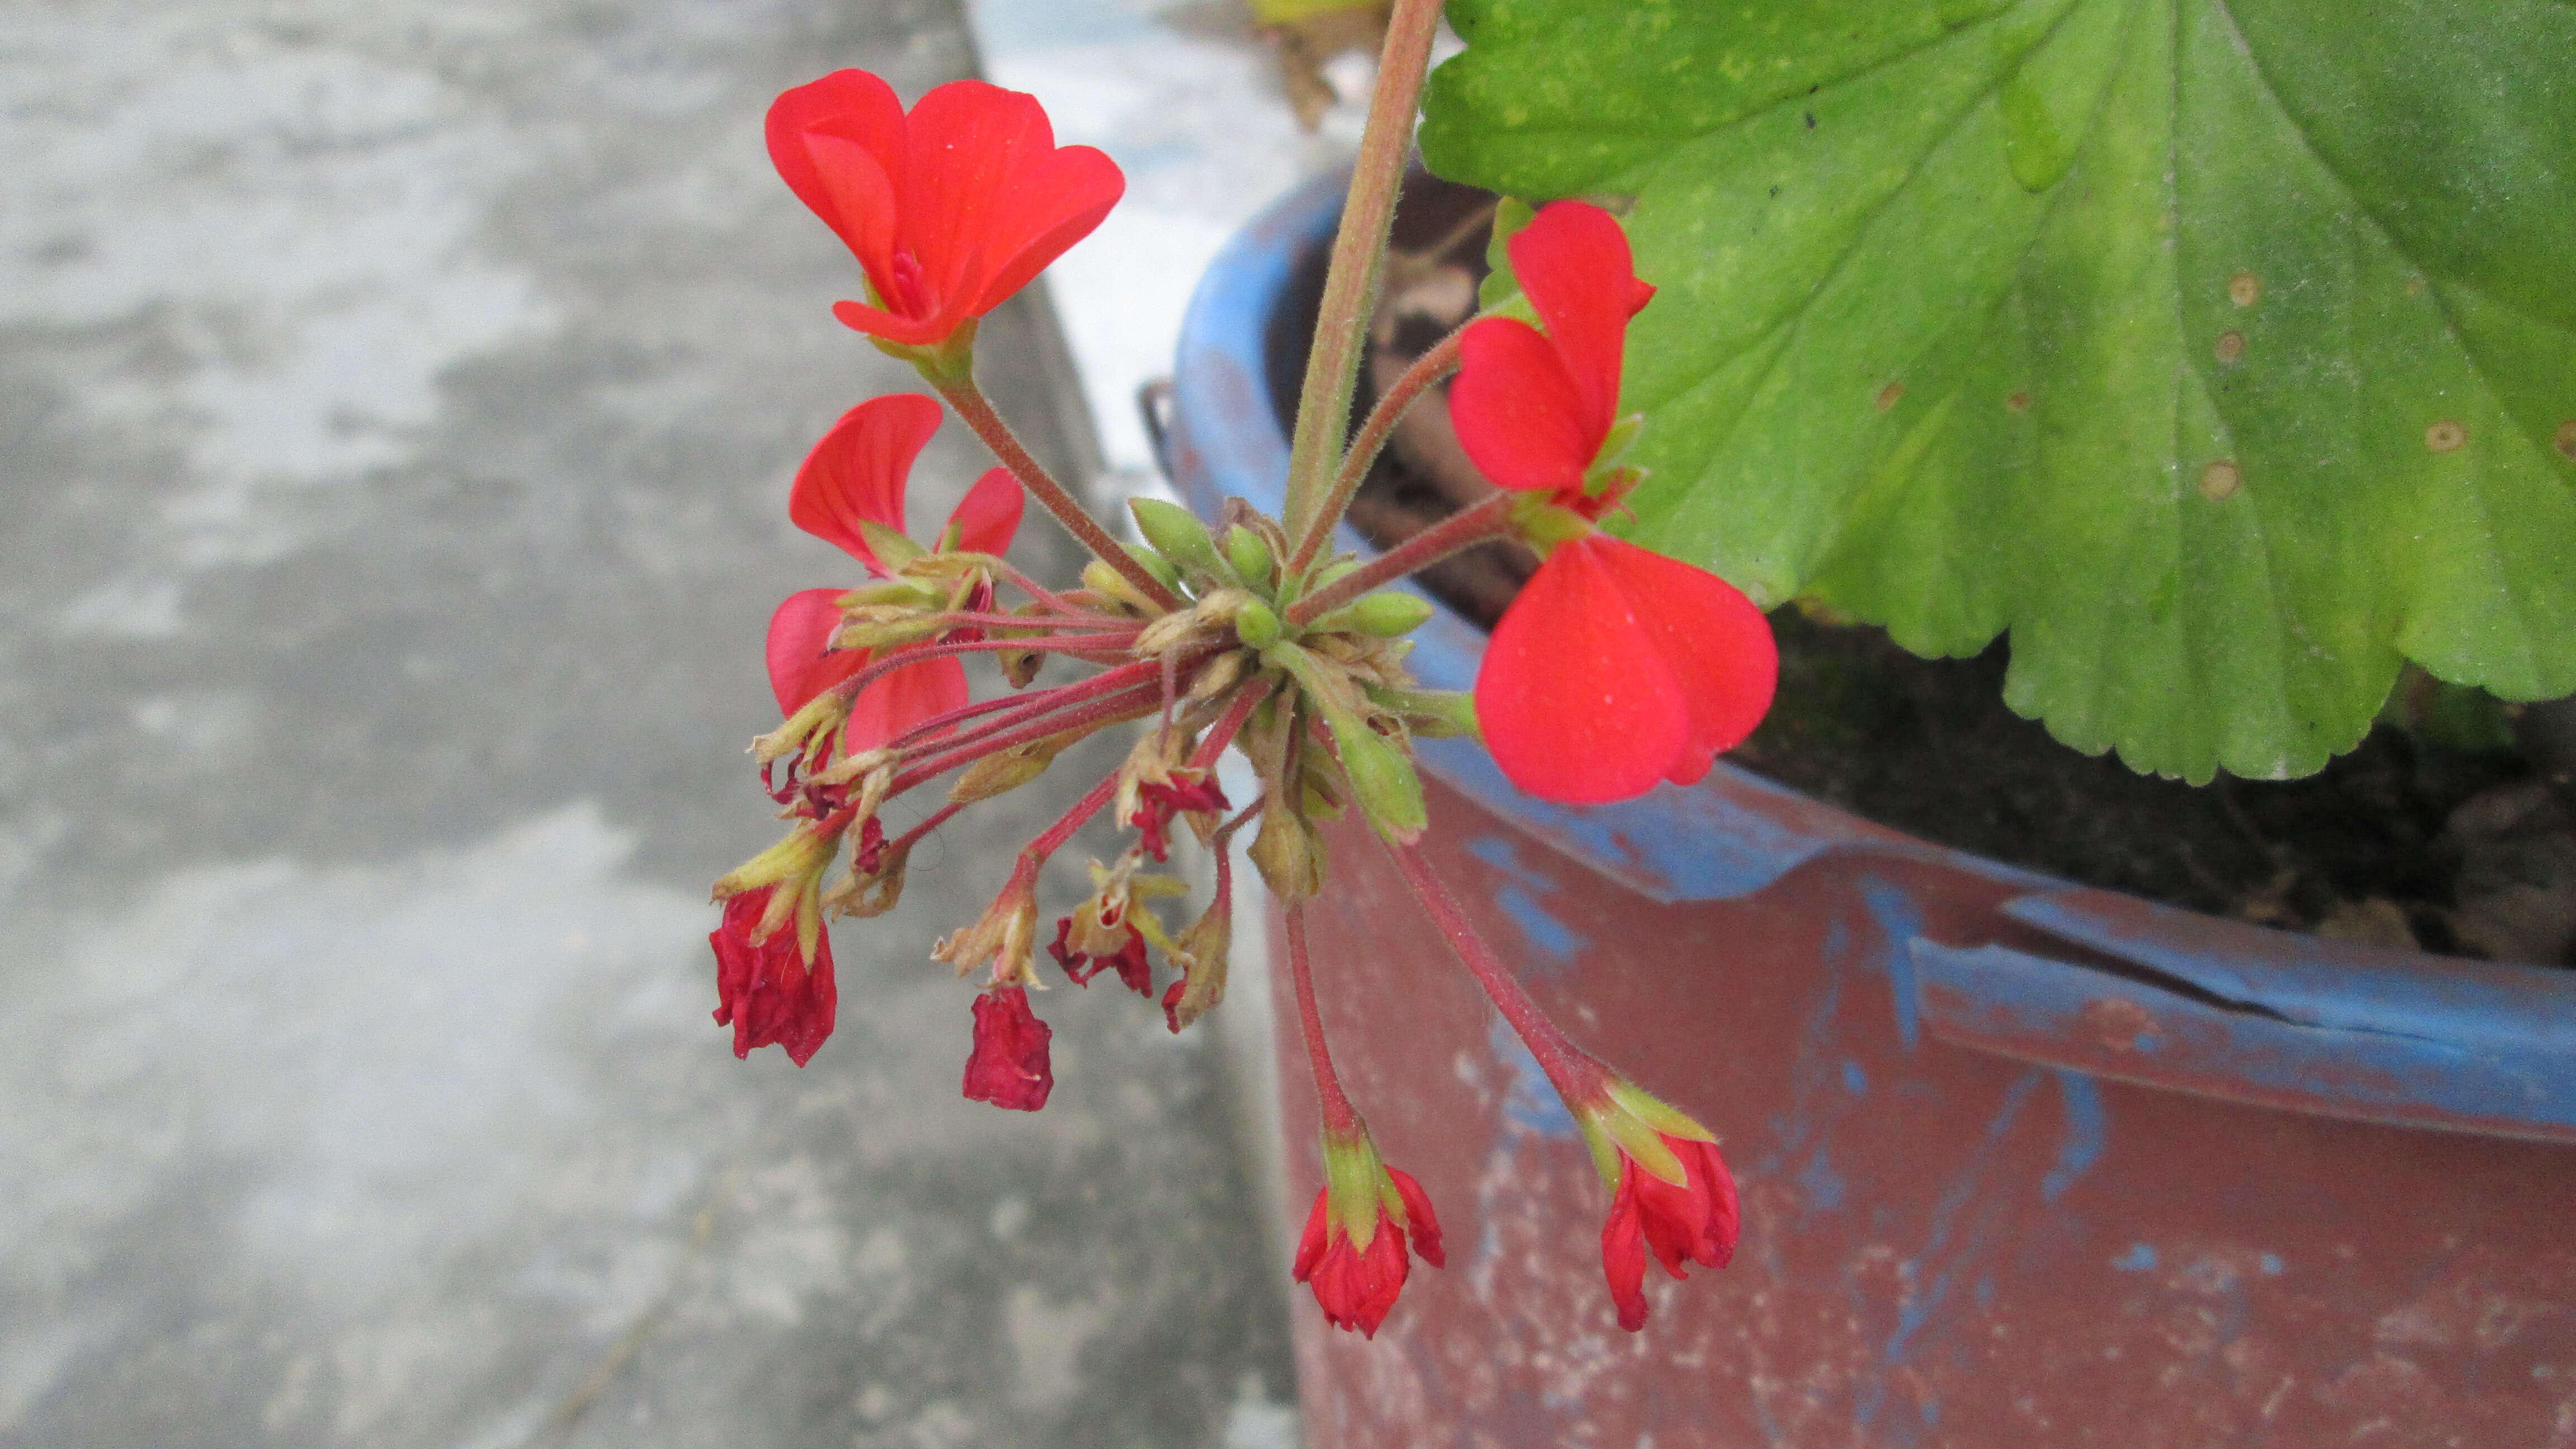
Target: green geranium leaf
<point>2223,352</point>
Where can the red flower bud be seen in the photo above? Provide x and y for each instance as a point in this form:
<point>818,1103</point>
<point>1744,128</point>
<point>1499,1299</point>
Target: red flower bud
<point>765,989</point>
<point>1353,1251</point>
<point>1693,1220</point>
<point>1008,1066</point>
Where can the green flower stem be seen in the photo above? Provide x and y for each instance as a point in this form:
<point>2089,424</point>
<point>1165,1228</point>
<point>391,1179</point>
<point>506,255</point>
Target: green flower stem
<point>1488,520</point>
<point>1425,373</point>
<point>1359,256</point>
<point>968,399</point>
<point>1577,1076</point>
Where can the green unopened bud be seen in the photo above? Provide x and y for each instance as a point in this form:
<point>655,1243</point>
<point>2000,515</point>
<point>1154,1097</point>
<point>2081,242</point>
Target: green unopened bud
<point>1250,554</point>
<point>1382,779</point>
<point>1388,614</point>
<point>1177,535</point>
<point>1257,625</point>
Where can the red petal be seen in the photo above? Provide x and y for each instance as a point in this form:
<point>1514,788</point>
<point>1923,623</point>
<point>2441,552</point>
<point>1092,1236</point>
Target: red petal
<point>989,514</point>
<point>858,472</point>
<point>969,144</point>
<point>853,106</point>
<point>798,668</point>
<point>1623,1251</point>
<point>903,331</point>
<point>1310,1246</point>
<point>1008,1066</point>
<point>1716,642</point>
<point>858,199</point>
<point>1420,1222</point>
<point>1520,418</point>
<point>1354,1288</point>
<point>1058,202</point>
<point>901,698</point>
<point>765,990</point>
<point>1576,701</point>
<point>1572,263</point>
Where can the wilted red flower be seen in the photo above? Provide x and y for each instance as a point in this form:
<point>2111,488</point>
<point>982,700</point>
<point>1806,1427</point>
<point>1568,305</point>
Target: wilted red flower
<point>1693,1220</point>
<point>1135,970</point>
<point>1008,1066</point>
<point>1615,667</point>
<point>858,473</point>
<point>1160,800</point>
<point>765,989</point>
<point>1353,1252</point>
<point>949,210</point>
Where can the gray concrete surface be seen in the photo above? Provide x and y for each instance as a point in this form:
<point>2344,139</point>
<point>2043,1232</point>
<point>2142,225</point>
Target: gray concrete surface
<point>397,403</point>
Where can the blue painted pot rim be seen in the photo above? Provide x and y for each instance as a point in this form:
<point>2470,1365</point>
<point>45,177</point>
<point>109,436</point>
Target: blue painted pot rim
<point>2221,1008</point>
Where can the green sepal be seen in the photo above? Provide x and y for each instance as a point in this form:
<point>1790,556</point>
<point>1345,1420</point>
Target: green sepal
<point>1438,714</point>
<point>892,548</point>
<point>1353,1180</point>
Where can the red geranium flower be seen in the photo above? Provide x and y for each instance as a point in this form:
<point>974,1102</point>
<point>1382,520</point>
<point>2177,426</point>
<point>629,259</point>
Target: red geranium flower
<point>858,472</point>
<point>950,209</point>
<point>765,989</point>
<point>1353,1251</point>
<point>1670,1190</point>
<point>1692,1220</point>
<point>1534,408</point>
<point>1615,667</point>
<point>1008,1066</point>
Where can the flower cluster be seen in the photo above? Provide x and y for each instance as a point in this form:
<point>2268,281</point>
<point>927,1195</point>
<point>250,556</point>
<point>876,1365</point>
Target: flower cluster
<point>1617,669</point>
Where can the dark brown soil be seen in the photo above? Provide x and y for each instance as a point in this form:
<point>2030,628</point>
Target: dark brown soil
<point>2440,832</point>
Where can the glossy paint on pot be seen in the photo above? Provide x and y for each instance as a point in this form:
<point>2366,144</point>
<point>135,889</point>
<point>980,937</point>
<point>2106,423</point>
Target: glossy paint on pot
<point>2022,1163</point>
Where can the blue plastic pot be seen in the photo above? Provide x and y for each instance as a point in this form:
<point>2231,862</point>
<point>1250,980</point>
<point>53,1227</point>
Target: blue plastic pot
<point>2023,1162</point>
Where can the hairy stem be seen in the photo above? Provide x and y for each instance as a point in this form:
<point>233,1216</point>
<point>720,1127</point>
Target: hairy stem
<point>1023,710</point>
<point>968,400</point>
<point>1334,1106</point>
<point>1575,1074</point>
<point>1488,520</point>
<point>1359,254</point>
<point>1113,709</point>
<point>1425,373</point>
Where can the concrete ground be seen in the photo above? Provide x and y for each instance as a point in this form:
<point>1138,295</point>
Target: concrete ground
<point>397,404</point>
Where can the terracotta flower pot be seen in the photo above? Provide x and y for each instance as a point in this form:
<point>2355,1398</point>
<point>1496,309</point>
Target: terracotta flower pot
<point>2021,1162</point>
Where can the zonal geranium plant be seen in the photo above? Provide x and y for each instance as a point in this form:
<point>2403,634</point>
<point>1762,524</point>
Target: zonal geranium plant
<point>1617,670</point>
